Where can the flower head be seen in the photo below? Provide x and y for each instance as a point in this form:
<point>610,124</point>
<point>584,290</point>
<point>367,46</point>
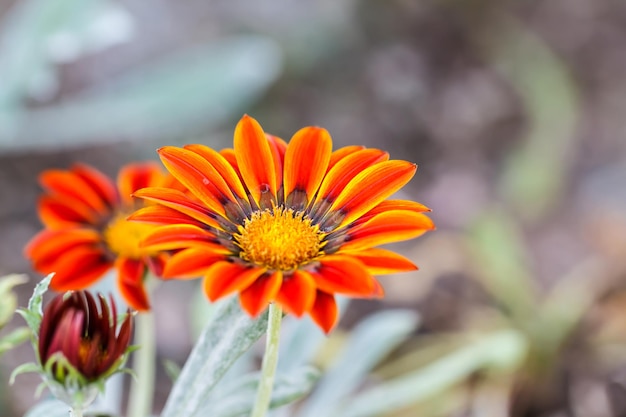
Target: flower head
<point>86,232</point>
<point>288,223</point>
<point>84,332</point>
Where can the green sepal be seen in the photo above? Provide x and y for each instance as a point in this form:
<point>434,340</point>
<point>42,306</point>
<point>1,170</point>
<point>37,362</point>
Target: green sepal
<point>24,368</point>
<point>34,312</point>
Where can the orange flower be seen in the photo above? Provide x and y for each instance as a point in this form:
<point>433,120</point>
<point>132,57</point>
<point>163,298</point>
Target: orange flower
<point>293,224</point>
<point>86,231</point>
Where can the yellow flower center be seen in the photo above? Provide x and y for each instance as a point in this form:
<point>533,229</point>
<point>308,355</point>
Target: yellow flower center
<point>123,237</point>
<point>279,239</point>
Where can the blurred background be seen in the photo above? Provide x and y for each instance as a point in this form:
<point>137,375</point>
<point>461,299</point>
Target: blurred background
<point>515,112</point>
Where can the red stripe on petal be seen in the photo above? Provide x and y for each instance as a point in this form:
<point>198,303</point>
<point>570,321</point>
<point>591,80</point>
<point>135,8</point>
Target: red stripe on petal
<point>178,236</point>
<point>131,273</point>
<point>370,187</point>
<point>341,153</point>
<point>297,293</point>
<point>257,296</point>
<point>66,185</point>
<point>163,215</point>
<point>224,278</point>
<point>48,245</point>
<point>192,262</point>
<point>255,160</point>
<point>324,311</point>
<point>344,275</point>
<point>278,147</point>
<point>79,268</point>
<point>346,169</point>
<point>381,261</point>
<point>306,160</point>
<point>177,200</point>
<point>61,212</point>
<point>198,175</point>
<point>99,182</point>
<point>223,167</point>
<point>387,227</point>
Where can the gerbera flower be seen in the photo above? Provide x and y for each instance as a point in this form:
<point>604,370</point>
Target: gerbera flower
<point>86,232</point>
<point>288,223</point>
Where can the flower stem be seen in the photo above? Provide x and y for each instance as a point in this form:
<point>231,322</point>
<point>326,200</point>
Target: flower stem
<point>142,388</point>
<point>270,360</point>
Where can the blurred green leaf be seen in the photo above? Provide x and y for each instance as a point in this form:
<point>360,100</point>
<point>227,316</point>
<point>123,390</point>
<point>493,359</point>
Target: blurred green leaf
<point>534,178</point>
<point>499,255</point>
<point>372,340</point>
<point>179,95</point>
<point>501,351</point>
<point>228,335</point>
<point>8,299</point>
<point>172,370</point>
<point>237,398</point>
<point>14,338</point>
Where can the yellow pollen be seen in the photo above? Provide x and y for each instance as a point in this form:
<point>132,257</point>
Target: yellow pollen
<point>279,239</point>
<point>123,237</point>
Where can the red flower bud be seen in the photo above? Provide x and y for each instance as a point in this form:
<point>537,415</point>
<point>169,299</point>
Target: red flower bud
<point>85,334</point>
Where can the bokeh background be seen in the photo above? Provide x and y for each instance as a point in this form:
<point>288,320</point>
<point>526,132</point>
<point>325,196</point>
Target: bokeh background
<point>515,112</point>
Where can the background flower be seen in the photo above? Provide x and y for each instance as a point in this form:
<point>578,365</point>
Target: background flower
<point>86,232</point>
<point>295,224</point>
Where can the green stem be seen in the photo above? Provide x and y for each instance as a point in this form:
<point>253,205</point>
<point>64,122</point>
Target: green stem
<point>142,388</point>
<point>270,360</point>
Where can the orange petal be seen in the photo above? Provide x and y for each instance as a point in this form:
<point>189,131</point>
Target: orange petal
<point>177,200</point>
<point>98,182</point>
<point>297,293</point>
<point>79,268</point>
<point>198,175</point>
<point>346,169</point>
<point>67,185</point>
<point>178,236</point>
<point>131,273</point>
<point>381,261</point>
<point>223,167</point>
<point>389,205</point>
<point>306,160</point>
<point>255,161</point>
<point>193,262</point>
<point>62,212</point>
<point>341,153</point>
<point>370,187</point>
<point>387,227</point>
<point>344,275</point>
<point>278,147</point>
<point>48,245</point>
<point>257,296</point>
<point>163,215</point>
<point>133,177</point>
<point>224,278</point>
<point>325,312</point>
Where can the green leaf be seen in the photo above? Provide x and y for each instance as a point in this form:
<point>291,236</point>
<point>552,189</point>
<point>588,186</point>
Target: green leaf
<point>237,397</point>
<point>178,96</point>
<point>8,299</point>
<point>501,351</point>
<point>301,340</point>
<point>172,370</point>
<point>224,339</point>
<point>33,313</point>
<point>497,246</point>
<point>16,337</point>
<point>49,408</point>
<point>372,340</point>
